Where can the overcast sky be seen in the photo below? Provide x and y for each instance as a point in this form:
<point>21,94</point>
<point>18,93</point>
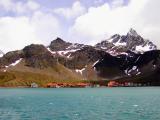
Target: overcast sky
<point>23,22</point>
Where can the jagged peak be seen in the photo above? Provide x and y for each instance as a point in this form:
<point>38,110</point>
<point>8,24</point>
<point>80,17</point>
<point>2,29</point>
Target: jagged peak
<point>59,40</point>
<point>115,36</point>
<point>132,32</point>
<point>59,44</point>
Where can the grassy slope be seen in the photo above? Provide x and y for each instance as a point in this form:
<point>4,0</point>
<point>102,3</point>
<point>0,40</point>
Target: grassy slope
<point>21,75</point>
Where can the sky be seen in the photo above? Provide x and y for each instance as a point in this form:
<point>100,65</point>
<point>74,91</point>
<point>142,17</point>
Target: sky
<point>23,22</point>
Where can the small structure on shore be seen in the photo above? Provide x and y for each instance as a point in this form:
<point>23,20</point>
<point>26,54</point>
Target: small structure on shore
<point>113,84</point>
<point>82,85</point>
<point>124,84</point>
<point>34,85</point>
<point>53,85</point>
<point>58,85</point>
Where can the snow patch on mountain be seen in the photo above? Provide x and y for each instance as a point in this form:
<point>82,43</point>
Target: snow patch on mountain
<point>51,51</point>
<point>75,46</point>
<point>138,73</point>
<point>95,63</point>
<point>110,40</point>
<point>141,48</point>
<point>120,43</point>
<point>69,56</point>
<point>64,53</point>
<point>133,70</point>
<point>16,62</point>
<point>103,48</point>
<point>80,71</point>
<point>1,55</point>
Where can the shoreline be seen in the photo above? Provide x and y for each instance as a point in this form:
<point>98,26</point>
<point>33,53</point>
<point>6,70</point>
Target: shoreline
<point>110,84</point>
<point>83,87</point>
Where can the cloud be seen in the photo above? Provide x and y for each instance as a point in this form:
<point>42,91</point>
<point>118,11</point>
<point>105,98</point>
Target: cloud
<point>15,33</point>
<point>6,4</point>
<point>21,30</point>
<point>76,10</point>
<point>19,7</point>
<point>101,22</point>
<point>117,3</point>
<point>98,1</point>
<point>30,22</point>
<point>46,26</point>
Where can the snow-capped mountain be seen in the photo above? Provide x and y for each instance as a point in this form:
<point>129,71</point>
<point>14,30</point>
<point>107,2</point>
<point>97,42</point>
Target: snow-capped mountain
<point>77,56</point>
<point>63,48</point>
<point>132,41</point>
<point>115,45</point>
<point>119,57</point>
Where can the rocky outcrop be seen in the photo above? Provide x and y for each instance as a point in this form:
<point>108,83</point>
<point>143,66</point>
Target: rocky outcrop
<point>59,44</point>
<point>38,56</point>
<point>85,56</point>
<point>10,57</point>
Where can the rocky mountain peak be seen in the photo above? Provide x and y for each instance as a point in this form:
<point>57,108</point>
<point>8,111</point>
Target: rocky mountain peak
<point>132,32</point>
<point>34,50</point>
<point>118,44</point>
<point>58,40</point>
<point>59,44</point>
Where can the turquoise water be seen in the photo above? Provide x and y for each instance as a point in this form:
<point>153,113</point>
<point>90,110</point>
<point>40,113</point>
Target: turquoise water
<point>80,104</point>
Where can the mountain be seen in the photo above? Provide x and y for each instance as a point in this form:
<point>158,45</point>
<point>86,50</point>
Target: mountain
<point>63,48</point>
<point>118,44</point>
<point>34,63</point>
<point>128,65</point>
<point>121,57</point>
<point>132,67</point>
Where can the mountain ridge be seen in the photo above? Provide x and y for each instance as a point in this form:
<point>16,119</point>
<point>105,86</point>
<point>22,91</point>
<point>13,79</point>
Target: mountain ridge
<point>125,55</point>
<point>118,44</point>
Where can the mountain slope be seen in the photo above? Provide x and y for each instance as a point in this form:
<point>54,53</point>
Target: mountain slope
<point>129,67</point>
<point>34,63</point>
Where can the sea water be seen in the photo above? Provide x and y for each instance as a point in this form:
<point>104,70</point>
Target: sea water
<point>132,103</point>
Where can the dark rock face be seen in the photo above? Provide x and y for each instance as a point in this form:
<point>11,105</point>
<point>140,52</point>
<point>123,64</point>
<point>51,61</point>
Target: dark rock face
<point>105,45</point>
<point>128,66</point>
<point>109,67</point>
<point>35,50</point>
<point>38,56</point>
<point>59,44</point>
<point>10,57</point>
<point>84,56</point>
